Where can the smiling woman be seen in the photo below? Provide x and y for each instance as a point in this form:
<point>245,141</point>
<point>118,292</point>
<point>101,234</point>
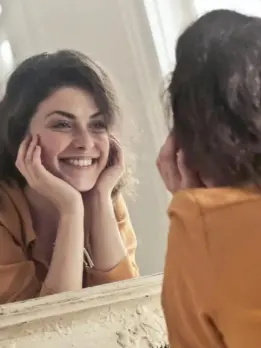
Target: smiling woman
<point>63,222</point>
<point>74,137</point>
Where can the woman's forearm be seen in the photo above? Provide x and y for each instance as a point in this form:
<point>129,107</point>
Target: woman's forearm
<point>107,245</point>
<point>66,268</point>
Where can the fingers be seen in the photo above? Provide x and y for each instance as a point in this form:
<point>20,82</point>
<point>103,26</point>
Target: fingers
<point>189,177</point>
<point>168,151</point>
<point>116,152</point>
<point>167,165</point>
<point>114,169</point>
<point>170,176</point>
<point>113,139</point>
<point>36,164</point>
<point>30,150</point>
<point>20,160</point>
<point>167,154</point>
<point>185,173</point>
<point>29,160</point>
<point>172,166</point>
<point>181,163</point>
<point>169,148</point>
<point>184,170</point>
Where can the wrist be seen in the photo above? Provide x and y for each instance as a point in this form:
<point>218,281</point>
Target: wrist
<point>101,201</point>
<point>74,207</point>
<point>101,196</point>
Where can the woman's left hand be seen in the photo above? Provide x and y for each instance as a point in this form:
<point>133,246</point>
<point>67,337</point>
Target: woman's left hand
<point>101,226</point>
<point>114,170</point>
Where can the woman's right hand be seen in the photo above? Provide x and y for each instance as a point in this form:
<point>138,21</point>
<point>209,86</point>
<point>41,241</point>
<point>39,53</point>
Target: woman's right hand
<point>63,196</point>
<point>172,167</point>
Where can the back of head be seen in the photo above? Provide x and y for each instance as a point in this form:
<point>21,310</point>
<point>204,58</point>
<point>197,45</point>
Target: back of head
<point>215,95</point>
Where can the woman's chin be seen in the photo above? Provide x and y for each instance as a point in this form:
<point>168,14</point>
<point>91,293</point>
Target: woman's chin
<point>82,187</point>
<point>80,183</point>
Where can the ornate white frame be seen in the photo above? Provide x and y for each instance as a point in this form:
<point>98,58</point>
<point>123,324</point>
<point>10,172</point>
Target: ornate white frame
<point>122,314</point>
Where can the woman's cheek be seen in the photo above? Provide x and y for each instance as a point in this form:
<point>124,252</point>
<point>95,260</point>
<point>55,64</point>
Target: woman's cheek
<point>102,142</point>
<point>50,151</point>
<point>51,144</point>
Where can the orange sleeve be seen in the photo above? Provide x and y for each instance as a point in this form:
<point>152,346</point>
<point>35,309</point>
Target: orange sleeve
<point>17,274</point>
<point>186,294</point>
<point>127,268</point>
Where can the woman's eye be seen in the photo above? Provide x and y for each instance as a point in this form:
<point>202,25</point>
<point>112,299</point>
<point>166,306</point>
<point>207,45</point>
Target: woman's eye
<point>61,125</point>
<point>99,126</point>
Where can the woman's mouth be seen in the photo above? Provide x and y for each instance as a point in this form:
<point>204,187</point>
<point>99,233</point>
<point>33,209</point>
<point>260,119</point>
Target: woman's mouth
<point>79,162</point>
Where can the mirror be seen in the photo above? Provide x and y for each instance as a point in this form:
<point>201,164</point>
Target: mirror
<point>117,35</point>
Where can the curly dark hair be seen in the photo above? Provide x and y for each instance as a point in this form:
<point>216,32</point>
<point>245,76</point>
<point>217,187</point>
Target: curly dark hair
<point>33,81</point>
<point>215,97</point>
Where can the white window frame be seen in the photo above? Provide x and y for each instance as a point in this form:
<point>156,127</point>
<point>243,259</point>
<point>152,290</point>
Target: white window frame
<point>167,19</point>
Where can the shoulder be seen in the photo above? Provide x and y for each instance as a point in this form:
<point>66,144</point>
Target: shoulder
<point>9,197</point>
<point>194,212</point>
<point>12,203</point>
<point>208,200</point>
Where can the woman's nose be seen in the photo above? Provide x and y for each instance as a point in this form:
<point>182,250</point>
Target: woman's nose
<point>84,140</point>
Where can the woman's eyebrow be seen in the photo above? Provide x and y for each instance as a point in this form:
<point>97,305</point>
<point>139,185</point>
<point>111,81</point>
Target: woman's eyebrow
<point>62,113</point>
<point>96,114</point>
<point>70,115</point>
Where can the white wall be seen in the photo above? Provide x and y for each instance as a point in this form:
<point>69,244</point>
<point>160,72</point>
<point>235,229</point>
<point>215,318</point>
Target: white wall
<point>117,34</point>
<point>252,7</point>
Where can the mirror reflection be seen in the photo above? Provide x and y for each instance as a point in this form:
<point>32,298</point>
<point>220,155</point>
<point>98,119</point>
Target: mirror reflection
<point>62,170</point>
<point>80,123</point>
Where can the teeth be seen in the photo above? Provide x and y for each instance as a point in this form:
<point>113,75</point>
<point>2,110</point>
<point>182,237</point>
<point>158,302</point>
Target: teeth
<point>80,162</point>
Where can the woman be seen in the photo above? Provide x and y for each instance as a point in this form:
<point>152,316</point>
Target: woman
<point>63,223</point>
<point>211,162</point>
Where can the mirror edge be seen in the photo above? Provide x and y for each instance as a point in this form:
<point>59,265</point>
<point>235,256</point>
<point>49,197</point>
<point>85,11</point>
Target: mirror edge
<point>72,302</point>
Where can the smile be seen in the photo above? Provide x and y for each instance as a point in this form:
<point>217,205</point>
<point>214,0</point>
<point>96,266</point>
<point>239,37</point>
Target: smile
<point>82,163</point>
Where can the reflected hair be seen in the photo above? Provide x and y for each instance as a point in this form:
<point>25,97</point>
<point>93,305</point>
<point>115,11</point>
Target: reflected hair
<point>33,81</point>
<point>215,97</point>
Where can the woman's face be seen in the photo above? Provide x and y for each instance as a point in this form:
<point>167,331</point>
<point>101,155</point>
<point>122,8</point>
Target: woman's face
<point>73,136</point>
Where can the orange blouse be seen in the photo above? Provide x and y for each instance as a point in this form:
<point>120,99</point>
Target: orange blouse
<point>22,271</point>
<point>212,281</point>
